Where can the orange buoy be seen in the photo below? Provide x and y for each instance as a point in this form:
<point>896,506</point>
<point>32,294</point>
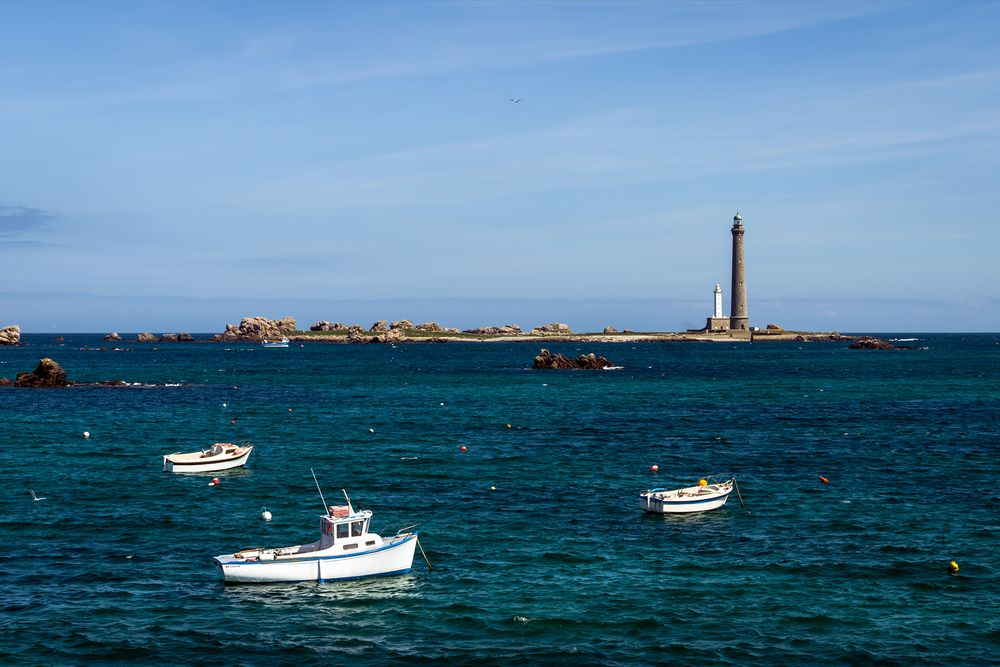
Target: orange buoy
<point>824,479</point>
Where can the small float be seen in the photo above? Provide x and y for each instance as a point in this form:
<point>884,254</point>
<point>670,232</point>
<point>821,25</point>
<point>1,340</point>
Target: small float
<point>220,456</point>
<point>709,494</point>
<point>275,342</point>
<point>345,550</point>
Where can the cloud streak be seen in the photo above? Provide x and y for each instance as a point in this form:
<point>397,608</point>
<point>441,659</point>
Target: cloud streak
<point>18,221</point>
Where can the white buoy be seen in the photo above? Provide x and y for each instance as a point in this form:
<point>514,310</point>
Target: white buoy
<point>86,434</point>
<point>265,515</point>
<point>224,404</point>
<point>493,488</point>
<point>371,430</point>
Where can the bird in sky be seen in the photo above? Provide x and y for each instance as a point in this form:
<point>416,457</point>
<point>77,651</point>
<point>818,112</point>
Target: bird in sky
<point>33,496</point>
<point>515,100</point>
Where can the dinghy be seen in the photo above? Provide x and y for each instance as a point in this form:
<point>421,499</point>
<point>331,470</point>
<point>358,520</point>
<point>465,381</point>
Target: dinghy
<point>220,456</point>
<point>709,494</point>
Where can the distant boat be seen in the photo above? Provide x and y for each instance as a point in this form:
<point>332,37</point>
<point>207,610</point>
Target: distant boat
<point>220,456</point>
<point>709,494</point>
<point>275,342</point>
<point>345,550</point>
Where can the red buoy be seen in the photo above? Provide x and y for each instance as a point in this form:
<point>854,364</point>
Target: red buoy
<point>654,468</point>
<point>463,448</point>
<point>232,421</point>
<point>824,479</point>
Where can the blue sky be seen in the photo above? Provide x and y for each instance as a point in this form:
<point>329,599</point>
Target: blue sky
<point>177,166</point>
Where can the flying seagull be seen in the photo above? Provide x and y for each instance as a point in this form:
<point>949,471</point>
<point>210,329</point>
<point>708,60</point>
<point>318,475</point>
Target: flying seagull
<point>515,100</point>
<point>33,496</point>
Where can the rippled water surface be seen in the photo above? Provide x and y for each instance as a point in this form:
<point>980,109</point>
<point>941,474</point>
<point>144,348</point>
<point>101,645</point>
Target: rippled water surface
<point>557,564</point>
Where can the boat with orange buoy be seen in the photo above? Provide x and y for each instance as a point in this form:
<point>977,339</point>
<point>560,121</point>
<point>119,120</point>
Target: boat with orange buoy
<point>710,493</point>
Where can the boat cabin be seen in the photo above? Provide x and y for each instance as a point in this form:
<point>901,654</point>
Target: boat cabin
<point>346,529</point>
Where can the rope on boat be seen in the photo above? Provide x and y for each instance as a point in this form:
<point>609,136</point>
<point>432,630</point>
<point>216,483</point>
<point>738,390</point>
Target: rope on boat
<point>738,495</point>
<point>423,554</point>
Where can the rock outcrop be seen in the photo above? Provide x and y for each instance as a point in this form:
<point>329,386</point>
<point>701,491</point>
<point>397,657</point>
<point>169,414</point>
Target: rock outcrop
<point>10,335</point>
<point>380,325</point>
<point>505,330</point>
<point>145,337</point>
<point>546,360</point>
<point>358,335</point>
<point>113,336</point>
<point>257,328</point>
<point>328,326</point>
<point>555,328</point>
<point>47,374</point>
<point>185,337</point>
<point>168,338</point>
<point>401,324</point>
<point>610,330</point>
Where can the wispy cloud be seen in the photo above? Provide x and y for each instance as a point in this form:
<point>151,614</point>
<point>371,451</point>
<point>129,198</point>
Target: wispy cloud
<point>22,220</point>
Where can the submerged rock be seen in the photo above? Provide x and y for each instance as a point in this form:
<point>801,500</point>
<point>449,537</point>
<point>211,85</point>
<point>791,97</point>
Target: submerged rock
<point>546,360</point>
<point>114,335</point>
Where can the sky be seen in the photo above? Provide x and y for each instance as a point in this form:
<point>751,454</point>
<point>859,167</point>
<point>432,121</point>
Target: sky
<point>179,166</point>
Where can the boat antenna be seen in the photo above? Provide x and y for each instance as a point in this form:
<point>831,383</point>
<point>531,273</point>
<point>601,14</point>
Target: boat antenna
<point>349,505</point>
<point>325,510</point>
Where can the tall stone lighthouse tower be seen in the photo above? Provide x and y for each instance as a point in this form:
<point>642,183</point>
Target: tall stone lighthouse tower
<point>738,318</point>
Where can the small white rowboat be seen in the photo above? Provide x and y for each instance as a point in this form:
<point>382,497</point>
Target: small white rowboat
<point>221,456</point>
<point>707,495</point>
<point>345,550</point>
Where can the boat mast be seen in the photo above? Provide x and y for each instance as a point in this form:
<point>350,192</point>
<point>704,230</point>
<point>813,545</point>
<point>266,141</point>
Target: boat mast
<point>349,505</point>
<point>325,510</point>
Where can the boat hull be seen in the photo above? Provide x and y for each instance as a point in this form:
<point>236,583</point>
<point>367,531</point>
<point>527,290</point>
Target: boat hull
<point>656,505</point>
<point>393,558</point>
<point>207,466</point>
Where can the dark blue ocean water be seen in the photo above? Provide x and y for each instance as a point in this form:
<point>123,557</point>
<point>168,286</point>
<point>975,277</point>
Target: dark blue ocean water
<point>557,565</point>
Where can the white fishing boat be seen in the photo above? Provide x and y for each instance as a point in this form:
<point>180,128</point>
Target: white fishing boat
<point>709,494</point>
<point>220,456</point>
<point>345,550</point>
<point>275,342</point>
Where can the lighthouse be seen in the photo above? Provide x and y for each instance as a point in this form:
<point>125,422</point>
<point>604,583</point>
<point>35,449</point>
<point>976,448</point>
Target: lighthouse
<point>738,318</point>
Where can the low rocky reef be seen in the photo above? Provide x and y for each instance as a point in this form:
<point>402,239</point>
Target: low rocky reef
<point>872,343</point>
<point>10,335</point>
<point>48,374</point>
<point>546,360</point>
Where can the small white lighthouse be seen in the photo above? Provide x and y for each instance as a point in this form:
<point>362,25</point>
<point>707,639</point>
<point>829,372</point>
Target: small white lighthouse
<point>717,322</point>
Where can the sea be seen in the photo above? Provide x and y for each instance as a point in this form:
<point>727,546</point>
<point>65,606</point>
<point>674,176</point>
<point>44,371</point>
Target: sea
<point>538,550</point>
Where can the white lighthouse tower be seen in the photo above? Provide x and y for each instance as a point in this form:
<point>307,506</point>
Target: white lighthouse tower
<point>717,322</point>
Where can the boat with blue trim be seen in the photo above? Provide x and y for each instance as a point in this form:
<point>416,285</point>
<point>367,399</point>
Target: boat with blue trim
<point>345,550</point>
<point>709,494</point>
<point>275,342</point>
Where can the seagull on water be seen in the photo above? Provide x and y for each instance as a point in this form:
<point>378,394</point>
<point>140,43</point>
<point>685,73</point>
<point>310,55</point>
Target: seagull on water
<point>33,496</point>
